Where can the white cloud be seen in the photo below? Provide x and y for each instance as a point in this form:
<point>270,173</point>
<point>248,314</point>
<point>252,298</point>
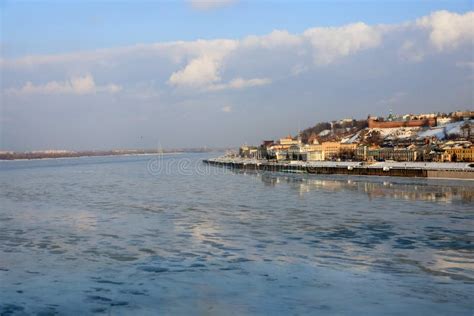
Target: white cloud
<point>175,51</point>
<point>204,68</point>
<point>276,39</point>
<point>272,81</point>
<point>198,72</point>
<point>77,85</point>
<point>240,83</point>
<point>449,30</point>
<point>326,44</point>
<point>207,65</point>
<point>210,4</point>
<point>331,43</point>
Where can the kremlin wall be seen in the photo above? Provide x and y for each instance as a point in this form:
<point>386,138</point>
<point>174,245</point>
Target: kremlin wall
<point>381,123</point>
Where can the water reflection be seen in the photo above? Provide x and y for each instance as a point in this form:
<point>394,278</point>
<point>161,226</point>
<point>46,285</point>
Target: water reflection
<point>404,189</point>
<point>268,243</point>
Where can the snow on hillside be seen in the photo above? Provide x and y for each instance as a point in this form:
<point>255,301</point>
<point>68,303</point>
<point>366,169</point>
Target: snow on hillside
<point>325,132</point>
<point>411,132</point>
<point>439,131</point>
<point>397,132</point>
<point>351,139</point>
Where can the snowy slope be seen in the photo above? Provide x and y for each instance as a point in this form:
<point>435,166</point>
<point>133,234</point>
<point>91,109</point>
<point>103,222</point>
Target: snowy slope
<point>439,131</point>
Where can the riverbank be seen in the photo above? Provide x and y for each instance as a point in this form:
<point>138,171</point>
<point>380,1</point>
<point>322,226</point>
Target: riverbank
<point>10,156</point>
<point>391,169</point>
<point>93,156</point>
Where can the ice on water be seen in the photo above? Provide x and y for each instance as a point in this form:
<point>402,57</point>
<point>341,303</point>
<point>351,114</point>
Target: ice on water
<point>104,235</point>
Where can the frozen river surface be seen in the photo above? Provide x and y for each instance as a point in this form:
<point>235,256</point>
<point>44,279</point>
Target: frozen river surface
<point>140,235</point>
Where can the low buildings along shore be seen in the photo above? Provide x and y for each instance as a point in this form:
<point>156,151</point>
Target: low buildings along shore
<point>423,137</point>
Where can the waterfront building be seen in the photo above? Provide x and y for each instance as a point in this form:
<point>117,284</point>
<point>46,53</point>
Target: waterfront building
<point>458,151</point>
<point>315,155</point>
<point>373,153</point>
<point>361,153</point>
<point>248,151</point>
<point>288,141</point>
<point>295,152</point>
<point>264,151</point>
<point>411,153</point>
<point>347,151</point>
<point>281,155</point>
<point>267,143</point>
<point>459,154</point>
<point>313,152</point>
<point>278,147</point>
<point>331,149</point>
<point>335,149</point>
<point>311,147</point>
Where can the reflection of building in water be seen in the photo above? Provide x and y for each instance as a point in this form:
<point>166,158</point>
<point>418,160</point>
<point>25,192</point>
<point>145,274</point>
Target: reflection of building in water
<point>374,189</point>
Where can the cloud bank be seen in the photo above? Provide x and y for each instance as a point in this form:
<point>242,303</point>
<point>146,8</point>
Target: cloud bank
<point>448,30</point>
<point>76,85</point>
<point>271,80</point>
<point>202,64</point>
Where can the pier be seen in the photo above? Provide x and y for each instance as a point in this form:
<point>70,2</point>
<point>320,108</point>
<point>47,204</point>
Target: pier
<point>391,169</point>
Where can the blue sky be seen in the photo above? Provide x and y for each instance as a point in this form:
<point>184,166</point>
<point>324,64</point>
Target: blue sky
<point>39,27</point>
<point>100,75</point>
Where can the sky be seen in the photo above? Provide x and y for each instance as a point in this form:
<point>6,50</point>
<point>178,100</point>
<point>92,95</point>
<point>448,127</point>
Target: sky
<point>120,74</point>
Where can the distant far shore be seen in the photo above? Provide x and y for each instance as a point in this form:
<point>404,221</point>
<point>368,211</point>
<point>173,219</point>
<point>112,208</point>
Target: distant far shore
<point>56,154</point>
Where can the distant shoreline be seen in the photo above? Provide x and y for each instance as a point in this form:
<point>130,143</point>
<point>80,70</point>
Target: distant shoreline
<point>89,156</point>
<point>47,156</point>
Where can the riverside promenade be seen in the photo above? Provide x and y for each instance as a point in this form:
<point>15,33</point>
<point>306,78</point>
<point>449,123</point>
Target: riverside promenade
<point>444,170</point>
